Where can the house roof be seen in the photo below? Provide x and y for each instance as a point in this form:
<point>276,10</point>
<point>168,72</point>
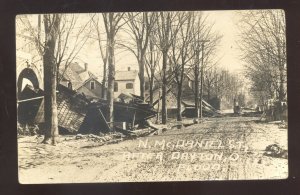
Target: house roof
<point>89,79</point>
<point>76,75</point>
<point>126,75</point>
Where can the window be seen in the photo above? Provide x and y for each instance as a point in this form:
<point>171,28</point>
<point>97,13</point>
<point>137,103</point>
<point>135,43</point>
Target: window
<point>129,86</point>
<point>92,84</point>
<point>116,87</point>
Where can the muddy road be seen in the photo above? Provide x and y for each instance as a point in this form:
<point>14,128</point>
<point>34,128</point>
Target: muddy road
<point>227,148</point>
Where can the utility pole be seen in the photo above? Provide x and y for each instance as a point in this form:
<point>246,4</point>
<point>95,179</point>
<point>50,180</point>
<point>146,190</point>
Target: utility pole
<point>196,72</point>
<point>201,84</point>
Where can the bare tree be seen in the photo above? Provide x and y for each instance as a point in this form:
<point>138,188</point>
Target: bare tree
<point>210,79</point>
<point>140,25</point>
<point>202,32</point>
<point>51,24</point>
<point>152,59</point>
<point>263,44</point>
<point>68,32</point>
<point>74,31</point>
<point>103,52</point>
<point>59,31</point>
<point>168,25</point>
<point>181,54</point>
<point>112,26</point>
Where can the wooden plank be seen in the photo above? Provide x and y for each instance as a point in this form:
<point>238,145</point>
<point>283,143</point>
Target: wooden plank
<point>104,119</point>
<point>30,99</point>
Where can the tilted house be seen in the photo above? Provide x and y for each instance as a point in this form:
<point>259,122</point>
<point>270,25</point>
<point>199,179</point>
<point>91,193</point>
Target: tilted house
<point>81,80</point>
<point>171,96</point>
<point>127,82</point>
<point>187,100</point>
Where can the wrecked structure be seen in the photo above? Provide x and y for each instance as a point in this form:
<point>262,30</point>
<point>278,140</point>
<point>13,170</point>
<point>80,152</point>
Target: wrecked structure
<point>132,112</point>
<point>77,114</point>
<point>187,103</point>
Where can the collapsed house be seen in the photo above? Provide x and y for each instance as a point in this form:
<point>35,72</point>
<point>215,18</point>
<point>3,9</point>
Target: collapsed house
<point>77,114</point>
<point>127,113</point>
<point>71,108</point>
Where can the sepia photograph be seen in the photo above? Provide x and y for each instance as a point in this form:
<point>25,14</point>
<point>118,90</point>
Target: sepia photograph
<point>151,96</point>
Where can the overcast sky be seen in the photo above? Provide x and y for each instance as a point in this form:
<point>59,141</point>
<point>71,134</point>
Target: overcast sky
<point>227,51</point>
<point>224,23</point>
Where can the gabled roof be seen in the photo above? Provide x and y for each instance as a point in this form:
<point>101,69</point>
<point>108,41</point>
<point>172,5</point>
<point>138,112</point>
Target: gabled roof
<point>76,75</point>
<point>89,79</point>
<point>126,75</point>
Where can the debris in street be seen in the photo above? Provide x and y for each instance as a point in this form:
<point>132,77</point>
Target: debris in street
<point>208,110</point>
<point>283,125</point>
<point>275,150</point>
<point>134,112</point>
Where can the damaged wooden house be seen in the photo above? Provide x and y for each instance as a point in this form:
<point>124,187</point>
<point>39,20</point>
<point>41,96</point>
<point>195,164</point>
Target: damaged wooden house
<point>80,109</point>
<point>188,98</point>
<point>81,80</point>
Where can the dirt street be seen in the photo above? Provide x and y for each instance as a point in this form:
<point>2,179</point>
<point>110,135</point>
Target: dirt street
<point>228,148</point>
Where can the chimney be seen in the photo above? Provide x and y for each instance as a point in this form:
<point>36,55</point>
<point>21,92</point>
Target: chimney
<point>86,65</point>
<point>128,68</point>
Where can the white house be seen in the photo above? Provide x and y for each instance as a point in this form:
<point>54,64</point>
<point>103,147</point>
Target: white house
<point>127,82</point>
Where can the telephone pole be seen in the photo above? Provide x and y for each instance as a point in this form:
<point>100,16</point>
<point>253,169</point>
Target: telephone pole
<point>201,80</point>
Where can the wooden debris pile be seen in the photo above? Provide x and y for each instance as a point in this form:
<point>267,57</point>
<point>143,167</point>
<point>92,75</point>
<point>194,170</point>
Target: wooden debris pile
<point>85,119</point>
<point>132,112</point>
<point>72,109</point>
<point>208,110</point>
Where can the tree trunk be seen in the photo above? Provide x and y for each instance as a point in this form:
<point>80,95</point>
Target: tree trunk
<point>164,90</point>
<point>281,78</point>
<point>158,107</point>
<point>104,90</point>
<point>197,89</point>
<point>151,89</point>
<point>179,94</point>
<point>142,76</point>
<point>201,83</point>
<point>152,69</point>
<point>111,80</point>
<point>208,92</point>
<point>50,82</point>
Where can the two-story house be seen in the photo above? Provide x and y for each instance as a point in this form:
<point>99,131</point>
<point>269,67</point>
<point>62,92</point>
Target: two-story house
<point>127,82</point>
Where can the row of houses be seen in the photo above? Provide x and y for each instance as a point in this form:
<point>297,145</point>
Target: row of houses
<point>80,79</point>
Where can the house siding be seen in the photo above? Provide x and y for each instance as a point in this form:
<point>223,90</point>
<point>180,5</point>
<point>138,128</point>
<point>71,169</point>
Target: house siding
<point>122,87</point>
<point>86,89</point>
<point>136,86</point>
